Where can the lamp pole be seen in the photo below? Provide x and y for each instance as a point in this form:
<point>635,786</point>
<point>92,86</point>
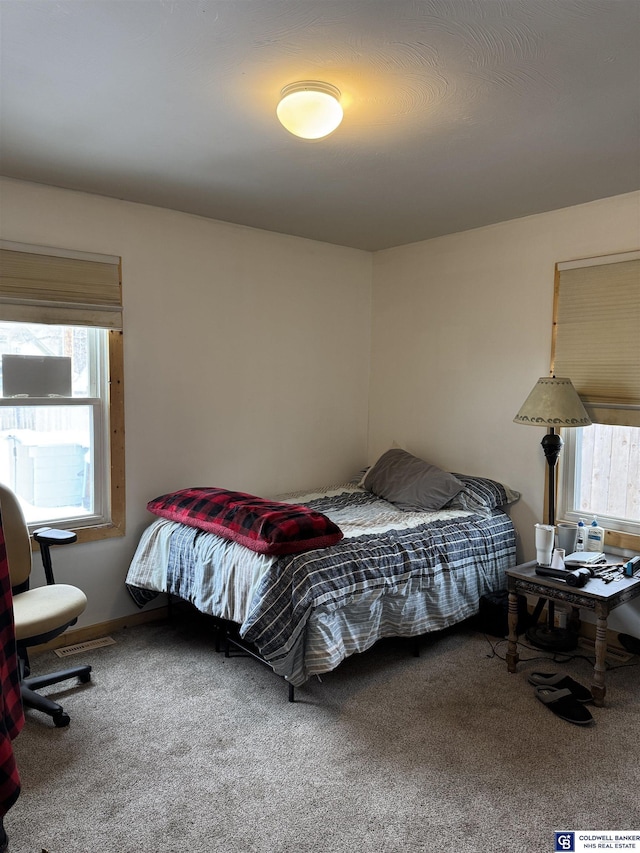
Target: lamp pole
<point>551,446</point>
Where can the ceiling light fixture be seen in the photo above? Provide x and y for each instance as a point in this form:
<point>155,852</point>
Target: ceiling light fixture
<point>310,109</point>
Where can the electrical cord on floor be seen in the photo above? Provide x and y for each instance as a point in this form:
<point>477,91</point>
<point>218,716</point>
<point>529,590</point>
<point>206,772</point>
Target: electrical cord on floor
<point>493,644</point>
<point>555,657</point>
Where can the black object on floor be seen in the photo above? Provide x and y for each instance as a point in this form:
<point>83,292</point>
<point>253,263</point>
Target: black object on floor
<point>552,639</point>
<point>493,614</point>
<point>631,644</point>
<point>561,681</point>
<point>564,705</point>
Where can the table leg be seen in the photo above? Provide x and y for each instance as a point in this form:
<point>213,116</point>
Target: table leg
<point>512,648</point>
<point>598,687</point>
<point>574,620</point>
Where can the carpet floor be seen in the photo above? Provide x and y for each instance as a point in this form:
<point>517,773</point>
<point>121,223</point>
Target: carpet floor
<point>173,747</point>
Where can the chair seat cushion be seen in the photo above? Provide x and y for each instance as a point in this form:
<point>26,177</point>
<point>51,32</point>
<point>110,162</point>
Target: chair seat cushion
<point>46,609</point>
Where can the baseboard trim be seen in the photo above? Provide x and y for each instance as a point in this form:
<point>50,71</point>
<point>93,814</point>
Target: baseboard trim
<point>161,614</point>
<point>588,632</point>
<point>103,629</point>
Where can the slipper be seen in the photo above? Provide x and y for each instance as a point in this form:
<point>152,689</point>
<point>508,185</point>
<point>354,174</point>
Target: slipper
<point>564,704</point>
<point>561,681</point>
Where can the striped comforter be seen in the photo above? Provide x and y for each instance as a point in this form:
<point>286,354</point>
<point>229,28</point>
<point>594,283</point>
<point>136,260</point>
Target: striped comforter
<point>394,574</point>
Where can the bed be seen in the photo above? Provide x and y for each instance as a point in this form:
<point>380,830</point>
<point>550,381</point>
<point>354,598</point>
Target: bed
<point>397,570</point>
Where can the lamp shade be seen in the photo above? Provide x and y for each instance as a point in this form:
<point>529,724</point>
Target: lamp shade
<point>553,402</point>
<point>310,109</point>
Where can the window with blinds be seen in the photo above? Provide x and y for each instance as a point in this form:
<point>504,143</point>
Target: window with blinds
<point>39,284</point>
<point>61,407</point>
<point>596,344</point>
<point>597,335</point>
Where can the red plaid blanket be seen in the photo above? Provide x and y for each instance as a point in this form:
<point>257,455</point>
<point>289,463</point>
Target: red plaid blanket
<point>11,714</point>
<point>268,527</point>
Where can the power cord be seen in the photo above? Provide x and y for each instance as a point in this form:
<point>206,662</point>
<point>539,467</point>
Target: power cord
<point>555,657</point>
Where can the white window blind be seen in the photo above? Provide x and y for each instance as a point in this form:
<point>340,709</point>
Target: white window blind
<point>40,284</point>
<point>597,335</point>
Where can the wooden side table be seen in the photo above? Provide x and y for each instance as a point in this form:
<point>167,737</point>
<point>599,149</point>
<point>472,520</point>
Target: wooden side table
<point>596,596</point>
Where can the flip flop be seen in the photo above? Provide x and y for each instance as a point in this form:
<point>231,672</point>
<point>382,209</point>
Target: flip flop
<point>561,681</point>
<point>564,704</point>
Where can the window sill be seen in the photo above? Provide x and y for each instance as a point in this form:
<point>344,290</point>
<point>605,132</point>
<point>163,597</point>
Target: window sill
<point>621,541</point>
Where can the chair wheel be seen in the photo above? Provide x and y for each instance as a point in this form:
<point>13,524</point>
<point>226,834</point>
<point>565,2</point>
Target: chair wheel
<point>85,678</point>
<point>61,720</point>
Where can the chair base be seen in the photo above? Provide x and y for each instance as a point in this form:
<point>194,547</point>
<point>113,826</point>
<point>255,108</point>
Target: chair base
<point>31,699</point>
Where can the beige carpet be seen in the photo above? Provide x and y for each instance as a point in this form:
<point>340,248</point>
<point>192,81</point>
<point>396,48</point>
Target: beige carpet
<point>174,748</point>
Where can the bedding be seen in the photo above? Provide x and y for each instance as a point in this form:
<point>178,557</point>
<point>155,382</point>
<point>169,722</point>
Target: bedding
<point>410,483</point>
<point>268,527</point>
<point>394,573</point>
<point>482,495</point>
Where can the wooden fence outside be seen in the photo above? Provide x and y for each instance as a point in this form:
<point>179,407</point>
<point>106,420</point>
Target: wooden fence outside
<point>612,454</point>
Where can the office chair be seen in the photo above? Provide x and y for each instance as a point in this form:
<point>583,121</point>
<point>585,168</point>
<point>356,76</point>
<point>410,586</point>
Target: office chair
<point>40,613</point>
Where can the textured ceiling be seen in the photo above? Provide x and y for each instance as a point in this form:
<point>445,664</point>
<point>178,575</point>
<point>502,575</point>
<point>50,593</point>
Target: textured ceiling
<point>458,113</point>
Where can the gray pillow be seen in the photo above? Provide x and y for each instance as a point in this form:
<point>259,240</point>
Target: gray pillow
<point>481,495</point>
<point>410,483</point>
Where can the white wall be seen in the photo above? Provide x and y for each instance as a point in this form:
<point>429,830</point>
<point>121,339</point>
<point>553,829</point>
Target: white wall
<point>247,353</point>
<point>462,331</point>
<point>246,358</point>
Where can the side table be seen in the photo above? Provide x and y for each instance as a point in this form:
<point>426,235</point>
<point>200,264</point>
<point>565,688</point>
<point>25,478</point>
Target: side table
<point>596,596</point>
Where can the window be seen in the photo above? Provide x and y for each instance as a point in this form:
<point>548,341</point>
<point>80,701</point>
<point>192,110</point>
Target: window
<point>61,409</point>
<point>601,476</point>
<point>596,345</point>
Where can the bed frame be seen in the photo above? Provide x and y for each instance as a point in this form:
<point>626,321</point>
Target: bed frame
<point>227,639</point>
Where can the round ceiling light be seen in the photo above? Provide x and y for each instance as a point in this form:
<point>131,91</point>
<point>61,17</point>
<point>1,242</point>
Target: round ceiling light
<point>310,109</point>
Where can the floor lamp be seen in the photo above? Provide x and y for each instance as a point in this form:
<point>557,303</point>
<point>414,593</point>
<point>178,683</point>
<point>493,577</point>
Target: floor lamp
<point>553,403</point>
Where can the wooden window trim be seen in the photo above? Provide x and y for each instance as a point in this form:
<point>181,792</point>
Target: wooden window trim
<point>116,527</point>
